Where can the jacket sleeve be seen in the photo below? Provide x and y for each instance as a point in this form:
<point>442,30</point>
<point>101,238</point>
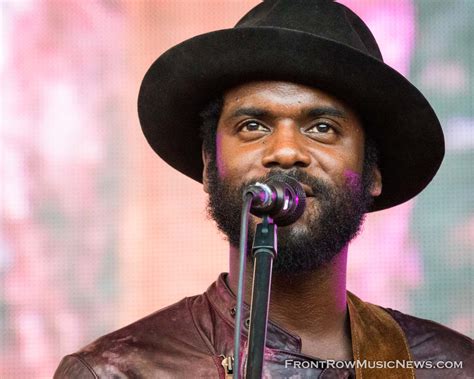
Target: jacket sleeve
<point>72,366</point>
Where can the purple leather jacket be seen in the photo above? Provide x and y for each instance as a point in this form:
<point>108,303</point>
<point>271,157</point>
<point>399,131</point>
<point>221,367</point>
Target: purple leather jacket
<point>194,339</point>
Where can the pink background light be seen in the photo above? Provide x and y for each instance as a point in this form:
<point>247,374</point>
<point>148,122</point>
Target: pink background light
<point>92,221</point>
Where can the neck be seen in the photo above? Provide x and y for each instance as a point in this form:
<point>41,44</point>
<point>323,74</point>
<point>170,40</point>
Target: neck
<point>311,305</point>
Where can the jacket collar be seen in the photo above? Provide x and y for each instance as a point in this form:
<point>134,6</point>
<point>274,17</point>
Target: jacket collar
<point>224,301</point>
<point>375,335</point>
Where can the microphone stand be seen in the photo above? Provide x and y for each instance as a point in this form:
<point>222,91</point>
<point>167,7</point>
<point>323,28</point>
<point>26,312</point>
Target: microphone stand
<point>264,250</point>
<point>282,199</point>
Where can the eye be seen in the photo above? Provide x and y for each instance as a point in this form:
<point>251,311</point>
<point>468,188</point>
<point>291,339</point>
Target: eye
<point>320,128</point>
<point>253,126</point>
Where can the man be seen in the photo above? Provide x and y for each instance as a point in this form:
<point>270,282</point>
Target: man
<point>297,87</point>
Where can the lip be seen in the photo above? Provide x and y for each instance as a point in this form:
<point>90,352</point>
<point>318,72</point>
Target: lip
<point>307,189</point>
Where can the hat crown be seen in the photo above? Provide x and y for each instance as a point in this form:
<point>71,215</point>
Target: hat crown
<point>322,18</point>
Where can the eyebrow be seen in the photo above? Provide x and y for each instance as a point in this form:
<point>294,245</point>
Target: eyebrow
<point>313,112</point>
<point>326,111</point>
<point>250,111</point>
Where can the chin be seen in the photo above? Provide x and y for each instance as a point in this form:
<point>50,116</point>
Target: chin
<point>297,230</point>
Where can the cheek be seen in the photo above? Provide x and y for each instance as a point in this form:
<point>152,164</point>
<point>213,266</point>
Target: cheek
<point>235,161</point>
<point>353,179</point>
<point>219,152</point>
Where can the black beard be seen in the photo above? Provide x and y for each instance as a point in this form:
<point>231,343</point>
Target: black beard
<point>331,219</point>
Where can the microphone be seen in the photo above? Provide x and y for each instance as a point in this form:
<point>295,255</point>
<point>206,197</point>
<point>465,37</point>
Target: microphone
<point>280,197</point>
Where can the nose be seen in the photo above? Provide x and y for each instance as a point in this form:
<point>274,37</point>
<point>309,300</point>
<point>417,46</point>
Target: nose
<point>286,148</point>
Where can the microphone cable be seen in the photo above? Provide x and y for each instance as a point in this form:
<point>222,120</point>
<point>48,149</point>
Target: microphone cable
<point>244,221</point>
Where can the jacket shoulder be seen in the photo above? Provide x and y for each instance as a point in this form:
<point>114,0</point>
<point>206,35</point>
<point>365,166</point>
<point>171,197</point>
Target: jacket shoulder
<point>73,366</point>
<point>158,343</point>
<point>430,340</point>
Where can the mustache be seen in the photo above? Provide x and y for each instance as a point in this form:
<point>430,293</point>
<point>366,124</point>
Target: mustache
<point>317,185</point>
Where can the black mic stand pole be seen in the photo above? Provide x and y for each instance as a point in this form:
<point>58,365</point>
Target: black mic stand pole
<point>264,250</point>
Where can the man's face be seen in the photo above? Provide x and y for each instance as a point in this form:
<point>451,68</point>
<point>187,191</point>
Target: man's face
<point>268,127</point>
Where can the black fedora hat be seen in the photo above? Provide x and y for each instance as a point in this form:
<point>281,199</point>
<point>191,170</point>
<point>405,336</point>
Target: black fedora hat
<point>319,43</point>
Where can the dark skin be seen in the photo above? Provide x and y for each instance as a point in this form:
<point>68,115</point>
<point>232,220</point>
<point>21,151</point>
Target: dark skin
<point>279,124</point>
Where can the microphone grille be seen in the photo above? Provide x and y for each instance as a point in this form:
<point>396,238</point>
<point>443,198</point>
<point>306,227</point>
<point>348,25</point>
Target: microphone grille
<point>297,199</point>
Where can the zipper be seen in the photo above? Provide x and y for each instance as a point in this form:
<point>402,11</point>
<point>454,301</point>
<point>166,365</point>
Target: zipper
<point>228,364</point>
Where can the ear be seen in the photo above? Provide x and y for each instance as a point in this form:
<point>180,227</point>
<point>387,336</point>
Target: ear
<point>205,162</point>
<point>376,186</point>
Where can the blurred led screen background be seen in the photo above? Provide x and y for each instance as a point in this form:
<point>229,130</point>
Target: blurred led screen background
<point>96,231</point>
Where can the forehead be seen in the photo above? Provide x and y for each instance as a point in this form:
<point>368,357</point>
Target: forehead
<point>278,94</point>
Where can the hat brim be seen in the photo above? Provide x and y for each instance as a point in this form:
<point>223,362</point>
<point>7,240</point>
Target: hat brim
<point>397,116</point>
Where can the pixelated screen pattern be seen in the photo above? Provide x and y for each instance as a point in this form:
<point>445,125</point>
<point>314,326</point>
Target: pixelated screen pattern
<point>96,231</point>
